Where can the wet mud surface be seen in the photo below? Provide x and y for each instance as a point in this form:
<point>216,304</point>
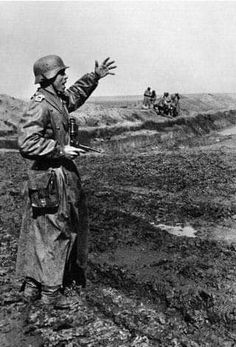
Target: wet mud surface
<point>162,263</point>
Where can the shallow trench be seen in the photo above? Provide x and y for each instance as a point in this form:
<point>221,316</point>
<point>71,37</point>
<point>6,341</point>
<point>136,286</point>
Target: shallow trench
<point>118,139</point>
<point>168,132</point>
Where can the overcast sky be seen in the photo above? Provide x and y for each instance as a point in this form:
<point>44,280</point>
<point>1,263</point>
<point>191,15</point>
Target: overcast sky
<point>176,46</point>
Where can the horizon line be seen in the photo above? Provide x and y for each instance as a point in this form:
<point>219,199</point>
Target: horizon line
<point>125,95</point>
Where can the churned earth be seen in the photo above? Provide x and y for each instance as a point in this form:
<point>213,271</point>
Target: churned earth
<point>162,263</point>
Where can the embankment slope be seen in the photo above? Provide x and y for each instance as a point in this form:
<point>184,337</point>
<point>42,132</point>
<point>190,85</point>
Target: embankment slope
<point>110,111</point>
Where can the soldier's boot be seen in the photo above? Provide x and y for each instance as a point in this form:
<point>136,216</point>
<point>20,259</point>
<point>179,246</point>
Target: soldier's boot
<point>54,297</point>
<point>31,291</point>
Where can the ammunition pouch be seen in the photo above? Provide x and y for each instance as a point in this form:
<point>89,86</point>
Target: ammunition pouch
<point>43,189</point>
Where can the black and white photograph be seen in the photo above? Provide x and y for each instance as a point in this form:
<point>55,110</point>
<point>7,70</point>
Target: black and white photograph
<point>118,173</point>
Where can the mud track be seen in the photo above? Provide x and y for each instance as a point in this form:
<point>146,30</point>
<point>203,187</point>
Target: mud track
<point>162,266</point>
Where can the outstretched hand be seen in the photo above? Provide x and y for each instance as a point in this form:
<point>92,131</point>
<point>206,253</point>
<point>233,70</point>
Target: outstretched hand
<point>104,69</point>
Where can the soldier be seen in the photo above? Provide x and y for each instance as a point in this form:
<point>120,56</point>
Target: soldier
<point>147,98</point>
<point>175,107</point>
<point>166,103</point>
<point>53,241</point>
<point>162,106</point>
<point>153,98</point>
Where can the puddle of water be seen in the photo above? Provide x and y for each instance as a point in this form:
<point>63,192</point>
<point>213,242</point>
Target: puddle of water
<point>225,234</point>
<point>230,131</point>
<point>186,230</point>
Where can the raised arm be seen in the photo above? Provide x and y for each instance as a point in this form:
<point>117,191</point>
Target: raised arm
<point>79,92</point>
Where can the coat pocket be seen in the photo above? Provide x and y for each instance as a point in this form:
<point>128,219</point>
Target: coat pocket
<point>43,189</point>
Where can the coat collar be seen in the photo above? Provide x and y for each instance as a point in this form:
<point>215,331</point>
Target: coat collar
<point>52,98</point>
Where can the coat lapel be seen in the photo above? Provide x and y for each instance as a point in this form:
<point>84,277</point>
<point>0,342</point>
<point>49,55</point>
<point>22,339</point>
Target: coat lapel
<point>53,100</point>
<point>58,104</point>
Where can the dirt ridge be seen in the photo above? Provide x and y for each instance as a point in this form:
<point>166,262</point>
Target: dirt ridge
<point>116,138</point>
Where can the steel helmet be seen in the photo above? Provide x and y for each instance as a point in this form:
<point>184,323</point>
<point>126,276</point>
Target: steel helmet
<point>48,67</point>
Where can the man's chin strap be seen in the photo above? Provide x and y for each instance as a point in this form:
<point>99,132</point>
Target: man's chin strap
<point>49,83</point>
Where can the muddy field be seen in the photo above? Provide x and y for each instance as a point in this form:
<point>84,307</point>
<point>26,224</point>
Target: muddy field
<point>162,263</point>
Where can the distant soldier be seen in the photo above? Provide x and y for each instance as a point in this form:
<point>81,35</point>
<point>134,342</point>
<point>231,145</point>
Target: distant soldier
<point>147,98</point>
<point>166,103</point>
<point>175,107</point>
<point>162,107</point>
<point>153,98</point>
<point>53,240</point>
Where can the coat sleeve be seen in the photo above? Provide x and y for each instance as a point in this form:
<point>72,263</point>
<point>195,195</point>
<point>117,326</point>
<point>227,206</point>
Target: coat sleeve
<point>32,140</point>
<point>79,92</point>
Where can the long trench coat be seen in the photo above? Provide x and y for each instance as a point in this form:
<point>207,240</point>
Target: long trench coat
<point>48,237</point>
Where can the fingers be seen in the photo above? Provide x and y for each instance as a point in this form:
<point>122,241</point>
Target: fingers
<point>105,61</point>
<point>112,67</point>
<point>76,153</point>
<point>79,150</point>
<point>110,63</point>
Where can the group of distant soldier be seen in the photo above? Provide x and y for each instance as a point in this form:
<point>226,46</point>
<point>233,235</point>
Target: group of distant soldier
<point>167,105</point>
